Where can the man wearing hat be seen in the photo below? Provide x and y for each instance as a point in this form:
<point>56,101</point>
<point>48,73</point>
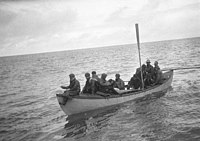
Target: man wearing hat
<point>74,86</point>
<point>149,73</point>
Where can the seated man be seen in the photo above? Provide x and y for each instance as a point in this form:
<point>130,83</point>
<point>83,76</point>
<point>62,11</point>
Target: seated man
<point>88,84</point>
<point>119,83</point>
<point>157,73</point>
<point>149,72</point>
<point>103,81</point>
<point>95,76</point>
<point>106,86</point>
<point>135,82</point>
<point>74,87</point>
<point>95,80</point>
<point>138,72</point>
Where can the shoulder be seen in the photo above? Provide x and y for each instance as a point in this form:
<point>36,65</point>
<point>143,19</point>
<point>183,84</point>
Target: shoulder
<point>100,80</point>
<point>77,81</point>
<point>90,80</point>
<point>121,80</point>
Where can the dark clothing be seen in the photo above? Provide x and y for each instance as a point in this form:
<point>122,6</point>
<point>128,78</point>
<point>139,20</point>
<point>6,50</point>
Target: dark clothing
<point>95,86</point>
<point>106,87</point>
<point>74,87</point>
<point>138,72</point>
<point>135,82</point>
<point>88,86</point>
<point>148,80</point>
<point>149,69</point>
<point>149,74</point>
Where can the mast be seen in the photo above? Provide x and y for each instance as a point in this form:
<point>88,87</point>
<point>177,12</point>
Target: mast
<point>138,44</point>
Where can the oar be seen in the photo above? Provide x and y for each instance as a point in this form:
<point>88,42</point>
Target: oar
<point>184,68</point>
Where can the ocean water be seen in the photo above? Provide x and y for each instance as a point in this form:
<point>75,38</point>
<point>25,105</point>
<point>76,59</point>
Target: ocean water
<point>30,111</point>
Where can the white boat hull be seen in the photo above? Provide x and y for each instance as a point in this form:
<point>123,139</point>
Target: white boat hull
<point>83,104</point>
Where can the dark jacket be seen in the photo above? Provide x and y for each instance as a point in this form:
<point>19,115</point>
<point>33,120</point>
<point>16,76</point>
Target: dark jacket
<point>88,86</point>
<point>135,82</point>
<point>74,85</point>
<point>148,79</point>
<point>149,69</point>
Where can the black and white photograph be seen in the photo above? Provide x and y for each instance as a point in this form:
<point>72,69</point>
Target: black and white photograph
<point>99,70</point>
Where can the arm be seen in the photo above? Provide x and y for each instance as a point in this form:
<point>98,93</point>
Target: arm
<point>64,87</point>
<point>104,83</point>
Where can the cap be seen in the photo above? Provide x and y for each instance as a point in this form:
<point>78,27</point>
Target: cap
<point>93,72</point>
<point>148,61</point>
<point>72,75</point>
<point>104,75</point>
<point>87,74</point>
<point>117,74</point>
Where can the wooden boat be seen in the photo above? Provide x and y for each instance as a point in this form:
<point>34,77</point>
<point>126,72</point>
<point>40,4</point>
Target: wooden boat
<point>85,103</point>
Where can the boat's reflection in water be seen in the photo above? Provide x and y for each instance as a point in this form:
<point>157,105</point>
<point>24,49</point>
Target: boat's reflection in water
<point>81,125</point>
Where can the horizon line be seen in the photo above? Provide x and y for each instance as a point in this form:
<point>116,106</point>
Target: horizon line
<point>95,47</point>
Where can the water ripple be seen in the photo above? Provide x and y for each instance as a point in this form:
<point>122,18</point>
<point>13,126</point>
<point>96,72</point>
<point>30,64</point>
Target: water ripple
<point>29,109</point>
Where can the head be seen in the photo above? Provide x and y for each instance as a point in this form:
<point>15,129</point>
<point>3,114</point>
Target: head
<point>72,76</point>
<point>148,62</point>
<point>117,76</point>
<point>94,73</point>
<point>103,76</point>
<point>143,66</point>
<point>87,75</point>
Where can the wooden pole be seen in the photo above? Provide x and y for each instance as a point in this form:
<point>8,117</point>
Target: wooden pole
<point>138,44</point>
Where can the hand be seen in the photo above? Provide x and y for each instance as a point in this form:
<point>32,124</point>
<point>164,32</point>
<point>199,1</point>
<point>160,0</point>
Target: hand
<point>63,87</point>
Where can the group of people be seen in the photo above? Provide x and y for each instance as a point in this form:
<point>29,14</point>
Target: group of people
<point>151,76</point>
<point>93,84</point>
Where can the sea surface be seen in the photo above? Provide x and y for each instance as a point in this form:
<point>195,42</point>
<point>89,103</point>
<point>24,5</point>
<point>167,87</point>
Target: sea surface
<point>29,110</point>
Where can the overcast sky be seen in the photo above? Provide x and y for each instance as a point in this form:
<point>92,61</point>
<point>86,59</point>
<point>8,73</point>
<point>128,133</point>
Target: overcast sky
<point>33,26</point>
